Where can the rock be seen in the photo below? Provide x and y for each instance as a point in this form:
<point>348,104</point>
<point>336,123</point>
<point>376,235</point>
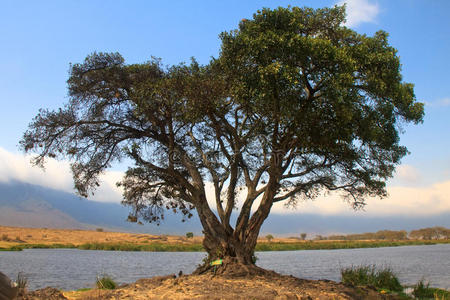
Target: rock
<point>7,290</point>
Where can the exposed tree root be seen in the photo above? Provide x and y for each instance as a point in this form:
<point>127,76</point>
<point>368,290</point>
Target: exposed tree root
<point>232,268</point>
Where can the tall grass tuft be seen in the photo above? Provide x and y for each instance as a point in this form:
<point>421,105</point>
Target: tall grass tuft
<point>423,290</point>
<point>105,282</point>
<point>370,275</point>
<point>22,281</point>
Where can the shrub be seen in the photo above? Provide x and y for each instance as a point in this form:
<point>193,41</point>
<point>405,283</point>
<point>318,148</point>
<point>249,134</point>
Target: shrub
<point>370,275</point>
<point>105,282</point>
<point>99,229</point>
<point>189,235</point>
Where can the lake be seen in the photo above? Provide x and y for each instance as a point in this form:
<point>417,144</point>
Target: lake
<point>73,269</point>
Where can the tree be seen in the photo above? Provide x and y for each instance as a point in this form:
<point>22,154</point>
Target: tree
<point>318,237</point>
<point>295,104</point>
<point>189,235</point>
<point>303,236</point>
<point>269,237</point>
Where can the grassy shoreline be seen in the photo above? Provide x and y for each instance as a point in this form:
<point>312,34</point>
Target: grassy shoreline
<point>197,247</point>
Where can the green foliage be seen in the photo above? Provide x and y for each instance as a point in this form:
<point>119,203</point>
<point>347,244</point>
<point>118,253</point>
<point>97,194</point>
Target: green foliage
<point>303,236</point>
<point>105,282</point>
<point>423,290</point>
<point>189,235</point>
<point>269,237</point>
<point>370,275</point>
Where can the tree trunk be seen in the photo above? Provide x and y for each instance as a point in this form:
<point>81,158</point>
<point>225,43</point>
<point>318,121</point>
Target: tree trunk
<point>237,255</point>
<point>236,249</point>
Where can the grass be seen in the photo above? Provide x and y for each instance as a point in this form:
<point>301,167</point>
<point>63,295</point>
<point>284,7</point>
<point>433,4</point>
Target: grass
<point>423,290</point>
<point>197,247</point>
<point>105,282</point>
<point>382,279</point>
<point>386,282</point>
<point>331,245</point>
<point>22,281</point>
<point>153,247</point>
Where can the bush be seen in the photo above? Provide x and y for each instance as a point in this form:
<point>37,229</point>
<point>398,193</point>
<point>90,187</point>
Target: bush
<point>105,282</point>
<point>99,229</point>
<point>189,235</point>
<point>370,275</point>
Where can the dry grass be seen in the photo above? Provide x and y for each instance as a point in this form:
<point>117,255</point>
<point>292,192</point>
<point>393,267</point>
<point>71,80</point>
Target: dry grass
<point>77,237</point>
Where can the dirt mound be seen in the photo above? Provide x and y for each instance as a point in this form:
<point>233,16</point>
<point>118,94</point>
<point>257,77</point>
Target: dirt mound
<point>207,286</point>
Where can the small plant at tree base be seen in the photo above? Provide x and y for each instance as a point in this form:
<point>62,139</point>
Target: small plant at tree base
<point>269,237</point>
<point>254,258</point>
<point>105,282</point>
<point>189,235</point>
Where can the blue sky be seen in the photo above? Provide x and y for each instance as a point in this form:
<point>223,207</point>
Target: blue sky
<point>38,40</point>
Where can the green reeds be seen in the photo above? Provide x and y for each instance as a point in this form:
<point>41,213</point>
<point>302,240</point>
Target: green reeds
<point>423,290</point>
<point>105,282</point>
<point>384,278</point>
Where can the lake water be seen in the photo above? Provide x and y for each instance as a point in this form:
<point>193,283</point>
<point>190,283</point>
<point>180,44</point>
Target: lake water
<point>73,269</point>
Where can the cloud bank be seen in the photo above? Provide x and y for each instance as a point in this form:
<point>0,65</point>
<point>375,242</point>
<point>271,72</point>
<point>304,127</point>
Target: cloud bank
<point>57,175</point>
<point>359,11</point>
<point>410,200</point>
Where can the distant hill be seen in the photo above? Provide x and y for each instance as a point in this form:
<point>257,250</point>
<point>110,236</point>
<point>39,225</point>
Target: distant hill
<point>27,205</point>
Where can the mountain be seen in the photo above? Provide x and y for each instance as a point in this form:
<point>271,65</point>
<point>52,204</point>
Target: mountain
<point>27,205</point>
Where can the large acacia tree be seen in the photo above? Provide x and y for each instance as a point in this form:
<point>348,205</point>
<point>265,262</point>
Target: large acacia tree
<point>295,104</point>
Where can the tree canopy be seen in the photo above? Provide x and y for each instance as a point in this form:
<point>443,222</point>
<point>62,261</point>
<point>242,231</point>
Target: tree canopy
<point>295,104</point>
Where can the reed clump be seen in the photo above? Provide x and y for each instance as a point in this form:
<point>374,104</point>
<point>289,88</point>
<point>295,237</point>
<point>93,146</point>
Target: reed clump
<point>422,290</point>
<point>105,282</point>
<point>383,279</point>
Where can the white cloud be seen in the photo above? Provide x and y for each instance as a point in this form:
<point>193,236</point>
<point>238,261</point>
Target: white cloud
<point>359,11</point>
<point>402,200</point>
<point>444,102</point>
<point>57,175</point>
<point>407,174</point>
